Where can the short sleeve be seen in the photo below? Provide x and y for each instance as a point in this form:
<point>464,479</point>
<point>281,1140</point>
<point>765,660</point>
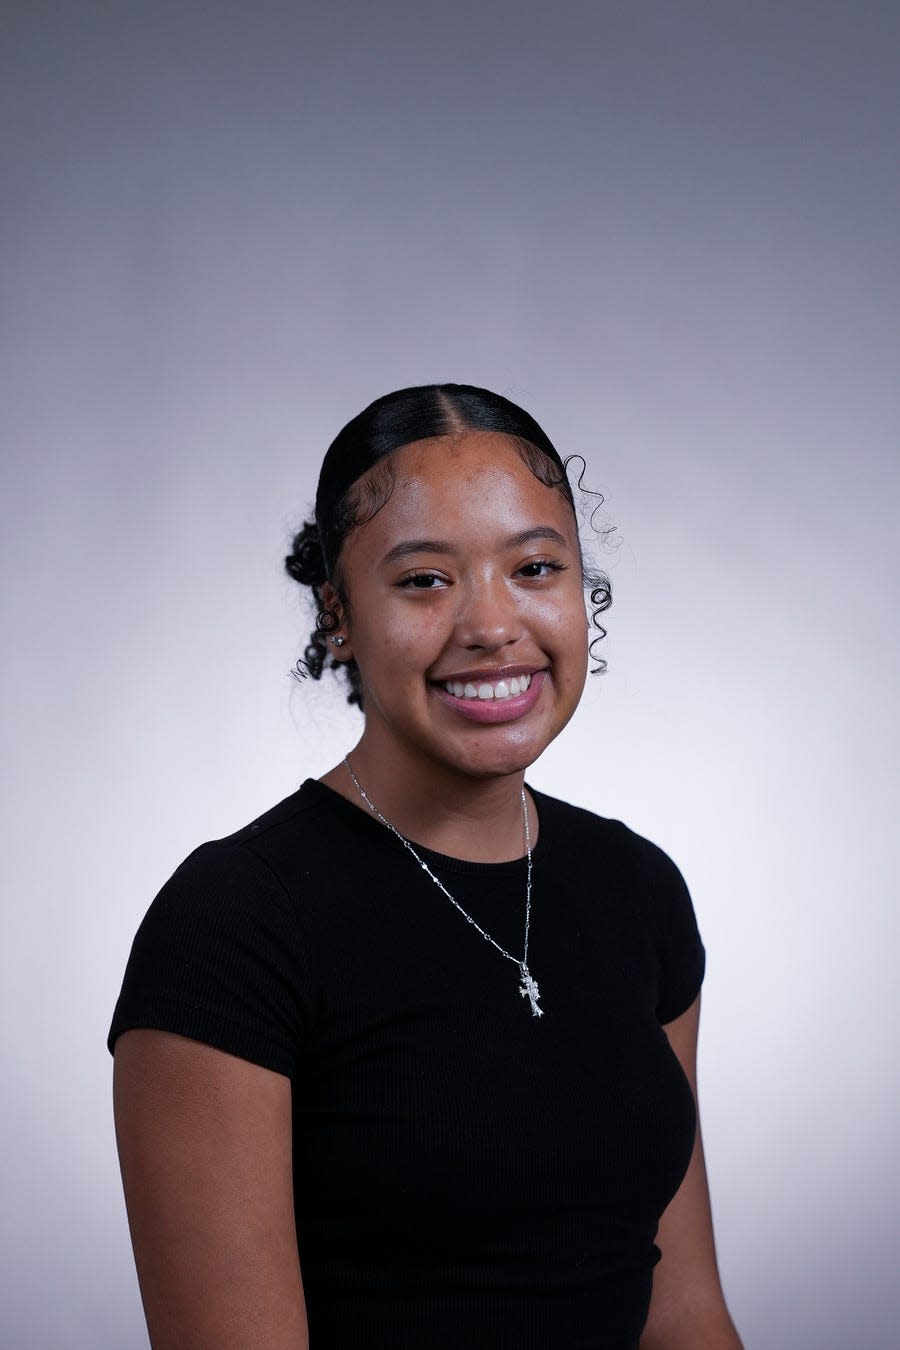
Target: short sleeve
<point>219,958</point>
<point>680,952</point>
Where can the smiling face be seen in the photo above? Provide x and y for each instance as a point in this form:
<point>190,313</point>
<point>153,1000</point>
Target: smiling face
<point>466,611</point>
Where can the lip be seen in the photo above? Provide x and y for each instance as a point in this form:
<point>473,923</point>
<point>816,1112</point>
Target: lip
<point>490,710</point>
<point>490,675</point>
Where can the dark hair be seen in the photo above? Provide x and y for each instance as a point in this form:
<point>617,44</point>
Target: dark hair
<point>344,501</point>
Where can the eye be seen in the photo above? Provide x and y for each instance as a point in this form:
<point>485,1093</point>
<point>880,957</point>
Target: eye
<point>421,581</point>
<point>541,567</point>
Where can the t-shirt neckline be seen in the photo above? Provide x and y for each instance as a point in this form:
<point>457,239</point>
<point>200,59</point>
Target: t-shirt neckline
<point>354,815</point>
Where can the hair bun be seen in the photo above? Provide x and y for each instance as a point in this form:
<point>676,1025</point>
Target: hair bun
<point>306,561</point>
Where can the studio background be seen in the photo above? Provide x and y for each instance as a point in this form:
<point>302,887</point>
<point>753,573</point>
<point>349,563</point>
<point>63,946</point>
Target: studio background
<point>669,230</point>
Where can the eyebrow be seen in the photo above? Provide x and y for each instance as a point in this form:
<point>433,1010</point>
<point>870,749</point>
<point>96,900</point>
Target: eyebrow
<point>409,546</point>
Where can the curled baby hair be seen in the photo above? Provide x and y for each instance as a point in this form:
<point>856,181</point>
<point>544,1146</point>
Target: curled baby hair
<point>357,479</point>
<point>306,564</point>
<point>596,582</point>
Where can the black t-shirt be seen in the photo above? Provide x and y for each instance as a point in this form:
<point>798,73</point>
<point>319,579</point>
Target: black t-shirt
<point>465,1173</point>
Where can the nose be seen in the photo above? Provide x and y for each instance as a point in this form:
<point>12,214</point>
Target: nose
<point>488,616</point>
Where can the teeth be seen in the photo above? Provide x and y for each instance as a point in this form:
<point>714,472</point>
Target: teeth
<point>500,689</point>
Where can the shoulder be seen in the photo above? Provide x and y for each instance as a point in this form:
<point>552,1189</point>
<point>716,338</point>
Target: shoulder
<point>603,857</point>
<point>224,954</point>
<point>261,887</point>
<point>263,856</point>
<point>608,838</point>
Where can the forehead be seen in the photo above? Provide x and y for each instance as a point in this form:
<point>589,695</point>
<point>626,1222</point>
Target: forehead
<point>463,472</point>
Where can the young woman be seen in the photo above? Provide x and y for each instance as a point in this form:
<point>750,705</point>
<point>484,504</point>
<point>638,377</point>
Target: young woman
<point>409,1061</point>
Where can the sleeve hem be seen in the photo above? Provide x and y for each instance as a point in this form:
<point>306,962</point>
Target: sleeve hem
<point>673,1008</point>
<point>204,1024</point>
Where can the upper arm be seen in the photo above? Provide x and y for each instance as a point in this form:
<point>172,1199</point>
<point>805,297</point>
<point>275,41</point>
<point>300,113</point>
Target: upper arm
<point>687,1308</point>
<point>205,1149</point>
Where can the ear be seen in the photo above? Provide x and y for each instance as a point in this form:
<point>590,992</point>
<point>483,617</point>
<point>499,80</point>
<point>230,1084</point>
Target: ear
<point>339,650</point>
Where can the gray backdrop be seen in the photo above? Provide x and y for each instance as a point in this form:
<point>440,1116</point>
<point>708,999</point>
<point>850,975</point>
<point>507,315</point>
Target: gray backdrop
<point>670,231</point>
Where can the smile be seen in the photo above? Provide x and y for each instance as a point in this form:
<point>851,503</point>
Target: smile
<point>497,689</point>
<point>492,701</point>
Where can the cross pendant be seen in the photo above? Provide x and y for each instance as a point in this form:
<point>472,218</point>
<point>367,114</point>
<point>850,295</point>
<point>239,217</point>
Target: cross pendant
<point>529,988</point>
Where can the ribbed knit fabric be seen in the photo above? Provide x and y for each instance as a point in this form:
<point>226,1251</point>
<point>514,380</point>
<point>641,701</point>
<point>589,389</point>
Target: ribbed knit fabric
<point>466,1174</point>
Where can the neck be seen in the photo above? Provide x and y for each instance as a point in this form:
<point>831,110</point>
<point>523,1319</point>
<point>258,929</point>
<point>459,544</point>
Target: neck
<point>479,820</point>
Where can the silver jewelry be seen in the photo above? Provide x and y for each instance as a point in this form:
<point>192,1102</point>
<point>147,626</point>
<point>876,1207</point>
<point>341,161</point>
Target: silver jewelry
<point>338,641</point>
<point>529,987</point>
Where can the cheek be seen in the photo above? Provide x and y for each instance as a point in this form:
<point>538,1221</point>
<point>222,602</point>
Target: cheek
<point>563,620</point>
<point>565,637</point>
<point>408,640</point>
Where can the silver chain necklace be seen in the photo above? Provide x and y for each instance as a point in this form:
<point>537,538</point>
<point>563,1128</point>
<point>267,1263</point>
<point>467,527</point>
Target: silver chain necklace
<point>528,988</point>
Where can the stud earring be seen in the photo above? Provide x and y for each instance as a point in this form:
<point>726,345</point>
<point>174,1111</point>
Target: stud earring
<point>338,641</point>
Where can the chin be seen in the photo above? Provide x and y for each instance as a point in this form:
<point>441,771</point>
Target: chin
<point>484,772</point>
<point>503,761</point>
